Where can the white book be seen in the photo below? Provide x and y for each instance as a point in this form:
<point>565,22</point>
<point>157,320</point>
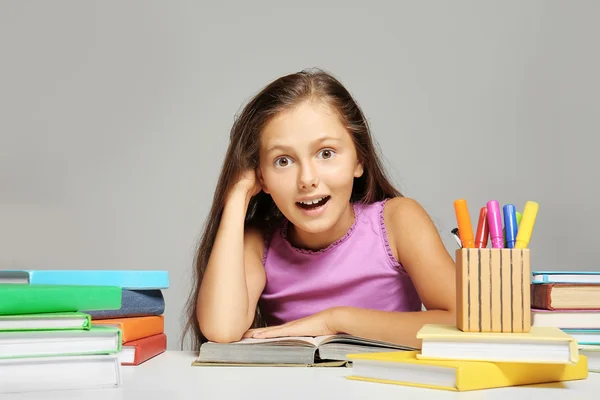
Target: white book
<point>542,344</point>
<point>59,373</point>
<point>565,277</point>
<point>566,319</point>
<point>45,321</point>
<point>592,352</point>
<point>97,340</point>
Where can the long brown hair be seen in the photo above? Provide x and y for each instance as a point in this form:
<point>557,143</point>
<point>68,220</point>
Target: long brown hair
<point>283,94</point>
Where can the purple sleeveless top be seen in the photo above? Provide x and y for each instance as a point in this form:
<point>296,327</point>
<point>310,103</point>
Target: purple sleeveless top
<point>357,270</point>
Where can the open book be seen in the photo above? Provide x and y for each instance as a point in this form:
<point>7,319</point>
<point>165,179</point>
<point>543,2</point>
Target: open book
<point>330,350</point>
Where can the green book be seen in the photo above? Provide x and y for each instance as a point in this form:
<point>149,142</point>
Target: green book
<point>35,299</point>
<point>45,321</point>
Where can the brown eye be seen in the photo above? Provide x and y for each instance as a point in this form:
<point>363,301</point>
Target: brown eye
<point>282,162</point>
<point>326,154</point>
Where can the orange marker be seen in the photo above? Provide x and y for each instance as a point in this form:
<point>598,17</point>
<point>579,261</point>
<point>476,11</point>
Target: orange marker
<point>465,230</point>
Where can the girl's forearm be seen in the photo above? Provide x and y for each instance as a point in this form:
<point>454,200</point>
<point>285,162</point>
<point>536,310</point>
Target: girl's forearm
<point>394,327</point>
<point>223,295</point>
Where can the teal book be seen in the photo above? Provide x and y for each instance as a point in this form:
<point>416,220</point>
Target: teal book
<point>584,336</point>
<point>126,279</point>
<point>96,340</point>
<point>35,299</point>
<point>45,321</point>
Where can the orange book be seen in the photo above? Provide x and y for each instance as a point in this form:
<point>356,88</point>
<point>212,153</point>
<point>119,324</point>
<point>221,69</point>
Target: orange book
<point>138,351</point>
<point>135,328</point>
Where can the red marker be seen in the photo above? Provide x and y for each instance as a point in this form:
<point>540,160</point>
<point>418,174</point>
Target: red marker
<point>481,237</point>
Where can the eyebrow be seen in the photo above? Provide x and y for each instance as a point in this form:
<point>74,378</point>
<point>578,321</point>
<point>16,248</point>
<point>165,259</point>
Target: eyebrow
<point>285,148</point>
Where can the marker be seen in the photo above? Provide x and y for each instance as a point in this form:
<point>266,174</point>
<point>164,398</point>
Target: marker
<point>456,237</point>
<point>519,215</point>
<point>495,224</point>
<point>510,225</point>
<point>526,225</point>
<point>481,237</point>
<point>463,219</point>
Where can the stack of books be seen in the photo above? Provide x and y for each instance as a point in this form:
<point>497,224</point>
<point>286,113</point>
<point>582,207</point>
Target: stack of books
<point>139,317</point>
<point>451,359</point>
<point>570,300</point>
<point>492,344</point>
<point>47,343</point>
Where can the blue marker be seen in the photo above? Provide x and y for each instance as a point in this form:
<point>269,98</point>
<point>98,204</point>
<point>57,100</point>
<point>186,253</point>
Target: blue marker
<point>510,225</point>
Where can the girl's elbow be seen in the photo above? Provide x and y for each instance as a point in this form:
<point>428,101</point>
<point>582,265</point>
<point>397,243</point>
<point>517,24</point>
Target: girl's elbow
<point>221,335</point>
<point>217,332</point>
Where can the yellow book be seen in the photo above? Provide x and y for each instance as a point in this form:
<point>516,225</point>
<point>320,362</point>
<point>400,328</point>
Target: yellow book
<point>404,368</point>
<point>542,344</point>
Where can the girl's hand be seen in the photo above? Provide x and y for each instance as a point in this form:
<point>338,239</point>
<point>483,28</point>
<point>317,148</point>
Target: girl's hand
<point>248,184</point>
<point>314,325</point>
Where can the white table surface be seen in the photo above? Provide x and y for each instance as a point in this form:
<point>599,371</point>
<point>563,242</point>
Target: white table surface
<point>171,376</point>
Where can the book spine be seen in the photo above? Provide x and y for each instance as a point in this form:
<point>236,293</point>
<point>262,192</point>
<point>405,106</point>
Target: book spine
<point>541,296</point>
<point>135,303</point>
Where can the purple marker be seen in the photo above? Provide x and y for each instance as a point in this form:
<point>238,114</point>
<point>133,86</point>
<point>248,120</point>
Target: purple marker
<point>495,224</point>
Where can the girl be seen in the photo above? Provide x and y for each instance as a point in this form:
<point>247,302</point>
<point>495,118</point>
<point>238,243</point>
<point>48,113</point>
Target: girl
<point>306,235</point>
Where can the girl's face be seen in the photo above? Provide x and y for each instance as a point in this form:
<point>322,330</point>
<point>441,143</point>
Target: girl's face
<point>308,163</point>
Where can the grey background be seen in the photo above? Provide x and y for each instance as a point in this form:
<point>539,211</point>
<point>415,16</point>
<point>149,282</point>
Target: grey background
<point>115,117</point>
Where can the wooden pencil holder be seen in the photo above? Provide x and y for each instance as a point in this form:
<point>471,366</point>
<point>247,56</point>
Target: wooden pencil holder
<point>493,290</point>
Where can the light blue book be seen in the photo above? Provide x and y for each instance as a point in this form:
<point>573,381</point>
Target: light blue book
<point>126,279</point>
<point>565,277</point>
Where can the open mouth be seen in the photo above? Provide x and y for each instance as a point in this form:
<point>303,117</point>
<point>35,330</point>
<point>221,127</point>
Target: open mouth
<point>311,204</point>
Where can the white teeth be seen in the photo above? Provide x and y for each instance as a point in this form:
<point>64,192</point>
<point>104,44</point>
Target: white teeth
<point>315,201</point>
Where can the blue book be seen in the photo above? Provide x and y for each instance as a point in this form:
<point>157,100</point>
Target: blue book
<point>583,277</point>
<point>126,279</point>
<point>134,303</point>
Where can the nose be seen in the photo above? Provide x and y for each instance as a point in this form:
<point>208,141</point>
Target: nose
<point>308,178</point>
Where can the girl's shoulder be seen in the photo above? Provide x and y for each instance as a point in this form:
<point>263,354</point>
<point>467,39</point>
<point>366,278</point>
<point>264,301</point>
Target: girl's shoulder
<point>399,205</point>
<point>402,217</point>
<point>394,210</point>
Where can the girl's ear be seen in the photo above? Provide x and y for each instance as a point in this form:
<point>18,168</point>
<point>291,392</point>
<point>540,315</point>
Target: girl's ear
<point>358,171</point>
<point>261,180</point>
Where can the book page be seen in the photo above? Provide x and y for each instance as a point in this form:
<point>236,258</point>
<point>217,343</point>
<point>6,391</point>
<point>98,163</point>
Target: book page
<point>324,339</point>
<point>288,340</point>
<point>349,339</point>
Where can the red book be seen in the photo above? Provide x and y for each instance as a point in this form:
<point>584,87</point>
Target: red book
<point>138,351</point>
<point>565,296</point>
